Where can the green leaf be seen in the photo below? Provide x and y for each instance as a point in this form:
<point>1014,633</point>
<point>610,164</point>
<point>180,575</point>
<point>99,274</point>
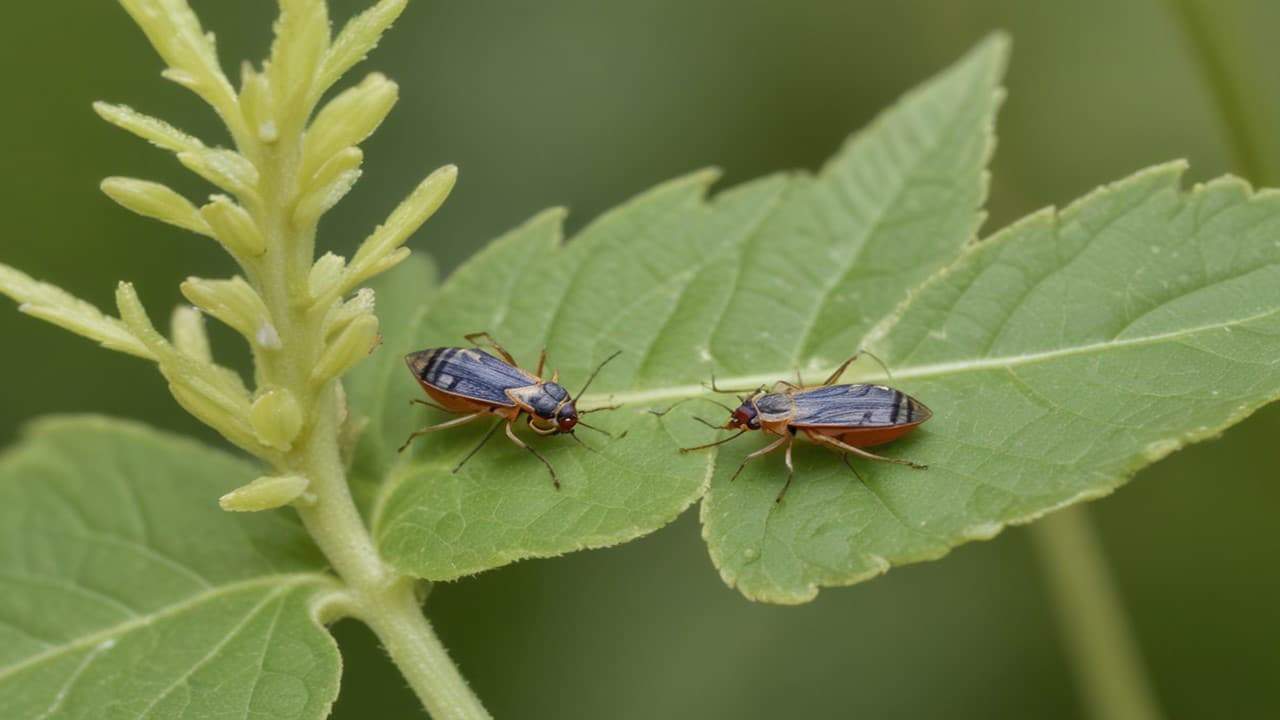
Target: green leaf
<point>786,272</point>
<point>1059,357</point>
<point>126,592</point>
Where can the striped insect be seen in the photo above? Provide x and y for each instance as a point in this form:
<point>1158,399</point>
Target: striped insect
<point>477,384</point>
<point>846,418</point>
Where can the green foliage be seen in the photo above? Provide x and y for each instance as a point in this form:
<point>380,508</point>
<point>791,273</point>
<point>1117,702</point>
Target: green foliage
<point>126,591</point>
<point>785,272</point>
<point>1059,356</point>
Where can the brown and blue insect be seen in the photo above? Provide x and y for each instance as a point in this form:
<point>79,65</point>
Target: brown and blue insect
<point>846,418</point>
<point>477,384</point>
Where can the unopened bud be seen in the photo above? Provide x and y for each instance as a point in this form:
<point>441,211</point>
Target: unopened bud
<point>266,493</point>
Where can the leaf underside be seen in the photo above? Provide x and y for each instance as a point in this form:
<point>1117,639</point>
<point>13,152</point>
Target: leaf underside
<point>126,592</point>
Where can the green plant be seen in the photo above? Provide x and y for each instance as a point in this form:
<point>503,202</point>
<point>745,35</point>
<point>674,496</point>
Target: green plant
<point>1060,355</point>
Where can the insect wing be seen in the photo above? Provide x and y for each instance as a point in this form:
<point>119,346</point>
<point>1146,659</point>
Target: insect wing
<point>856,406</point>
<point>470,373</point>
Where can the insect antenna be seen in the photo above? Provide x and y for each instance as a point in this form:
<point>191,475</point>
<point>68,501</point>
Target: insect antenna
<point>660,413</point>
<point>476,449</point>
<point>593,427</point>
<point>594,373</point>
<point>708,423</point>
<point>722,391</point>
<point>713,444</point>
<point>579,441</point>
<point>887,373</point>
<point>606,407</point>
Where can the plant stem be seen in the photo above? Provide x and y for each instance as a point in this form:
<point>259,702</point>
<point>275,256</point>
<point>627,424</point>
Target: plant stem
<point>381,598</point>
<point>377,594</point>
<point>409,638</point>
<point>1210,50</point>
<point>1094,627</point>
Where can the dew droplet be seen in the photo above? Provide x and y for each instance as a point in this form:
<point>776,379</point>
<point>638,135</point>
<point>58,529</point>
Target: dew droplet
<point>750,554</point>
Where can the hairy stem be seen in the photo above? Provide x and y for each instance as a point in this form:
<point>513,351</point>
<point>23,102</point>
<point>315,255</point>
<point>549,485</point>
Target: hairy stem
<point>1210,50</point>
<point>379,597</point>
<point>1092,620</point>
<point>376,594</point>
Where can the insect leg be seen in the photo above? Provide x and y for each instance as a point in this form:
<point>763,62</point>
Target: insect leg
<point>762,451</point>
<point>475,339</point>
<point>827,439</point>
<point>853,358</point>
<point>519,443</point>
<point>791,470</point>
<point>451,423</point>
<point>476,449</point>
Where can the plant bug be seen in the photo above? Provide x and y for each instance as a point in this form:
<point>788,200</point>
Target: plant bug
<point>847,418</point>
<point>471,381</point>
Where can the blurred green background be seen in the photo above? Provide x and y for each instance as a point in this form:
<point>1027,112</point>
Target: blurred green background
<point>586,103</point>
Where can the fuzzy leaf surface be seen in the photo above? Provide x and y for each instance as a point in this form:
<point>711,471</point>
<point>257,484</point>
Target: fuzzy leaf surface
<point>126,592</point>
<point>786,272</point>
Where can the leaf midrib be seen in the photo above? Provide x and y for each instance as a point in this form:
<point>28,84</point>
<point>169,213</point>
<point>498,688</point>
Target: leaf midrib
<point>280,582</point>
<point>915,372</point>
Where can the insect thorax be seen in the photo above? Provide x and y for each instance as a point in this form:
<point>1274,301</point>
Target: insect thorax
<point>543,399</point>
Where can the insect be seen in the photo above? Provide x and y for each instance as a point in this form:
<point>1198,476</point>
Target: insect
<point>847,418</point>
<point>473,382</point>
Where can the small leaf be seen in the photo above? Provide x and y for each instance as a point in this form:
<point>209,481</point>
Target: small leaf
<point>323,199</point>
<point>265,493</point>
<point>156,201</point>
<point>123,586</point>
<point>358,38</point>
<point>233,227</point>
<point>403,222</point>
<point>301,42</point>
<point>189,334</point>
<point>157,132</point>
<point>233,301</point>
<point>176,33</point>
<point>354,343</point>
<point>226,169</point>
<point>55,305</point>
<point>348,120</point>
<point>749,282</point>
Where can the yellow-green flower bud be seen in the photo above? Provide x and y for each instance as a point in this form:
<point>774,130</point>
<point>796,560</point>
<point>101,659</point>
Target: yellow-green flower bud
<point>156,201</point>
<point>189,334</point>
<point>233,301</point>
<point>348,120</point>
<point>351,346</point>
<point>267,493</point>
<point>276,419</point>
<point>233,227</point>
<point>227,169</point>
<point>325,274</point>
<point>214,410</point>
